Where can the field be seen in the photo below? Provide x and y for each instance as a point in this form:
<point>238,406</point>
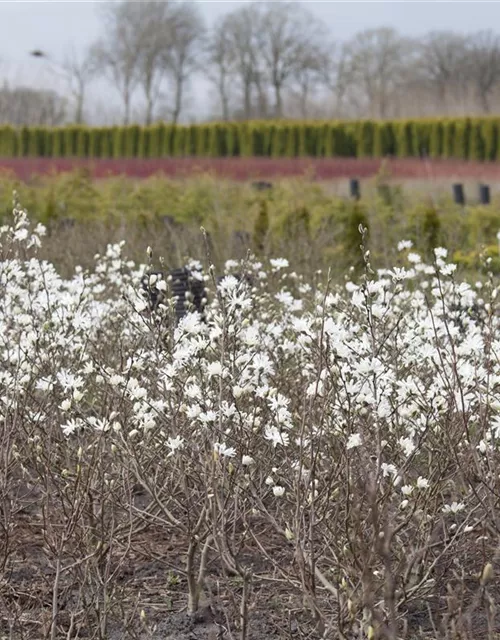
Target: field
<point>313,223</point>
<point>315,455</point>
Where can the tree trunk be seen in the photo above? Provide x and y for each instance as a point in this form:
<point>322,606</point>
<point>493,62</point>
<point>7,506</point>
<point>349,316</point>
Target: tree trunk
<point>223,98</point>
<point>149,110</point>
<point>225,108</point>
<point>178,100</point>
<point>79,109</point>
<point>126,101</point>
<point>485,102</point>
<point>278,109</point>
<point>248,99</point>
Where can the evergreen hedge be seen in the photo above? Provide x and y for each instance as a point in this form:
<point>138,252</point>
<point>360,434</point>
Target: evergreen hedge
<point>476,139</point>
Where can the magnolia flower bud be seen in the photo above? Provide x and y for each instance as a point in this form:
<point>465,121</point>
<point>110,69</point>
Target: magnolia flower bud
<point>487,574</point>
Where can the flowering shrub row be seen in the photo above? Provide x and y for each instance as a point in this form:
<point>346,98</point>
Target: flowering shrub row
<point>341,439</point>
<point>462,138</point>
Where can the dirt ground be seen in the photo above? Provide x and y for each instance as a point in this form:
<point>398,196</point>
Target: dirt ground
<point>146,582</point>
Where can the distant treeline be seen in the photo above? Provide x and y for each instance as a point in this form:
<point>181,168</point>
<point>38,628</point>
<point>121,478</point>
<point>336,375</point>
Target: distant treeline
<point>461,138</point>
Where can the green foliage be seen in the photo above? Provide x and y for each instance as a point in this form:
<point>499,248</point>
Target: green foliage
<point>489,134</point>
<point>431,229</point>
<point>484,260</point>
<point>477,147</point>
<point>261,227</point>
<point>297,219</point>
<point>476,139</point>
<point>69,142</point>
<point>95,142</point>
<point>58,145</point>
<point>83,142</point>
<point>436,139</point>
<point>403,139</point>
<point>365,139</point>
<point>294,224</point>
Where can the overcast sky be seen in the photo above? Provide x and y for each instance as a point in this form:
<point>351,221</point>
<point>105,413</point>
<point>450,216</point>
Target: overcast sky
<point>56,26</point>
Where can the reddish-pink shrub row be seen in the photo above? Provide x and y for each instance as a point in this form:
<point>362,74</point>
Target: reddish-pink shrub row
<point>256,168</point>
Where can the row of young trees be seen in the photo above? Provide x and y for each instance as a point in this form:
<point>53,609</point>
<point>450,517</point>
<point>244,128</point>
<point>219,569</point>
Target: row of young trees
<point>274,60</point>
<point>466,138</point>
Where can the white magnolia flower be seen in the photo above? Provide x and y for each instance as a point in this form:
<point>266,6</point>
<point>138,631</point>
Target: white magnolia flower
<point>246,460</point>
<point>448,269</point>
<point>354,441</point>
<point>422,483</point>
<point>388,469</point>
<point>175,444</point>
<point>214,369</point>
<point>405,244</point>
<point>44,385</point>
<point>70,427</point>
<point>278,491</point>
<point>65,405</point>
<point>454,507</point>
<point>279,263</point>
<point>223,450</point>
<point>276,436</point>
<point>440,252</point>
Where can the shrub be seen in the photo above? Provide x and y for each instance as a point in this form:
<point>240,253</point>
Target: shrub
<point>346,429</point>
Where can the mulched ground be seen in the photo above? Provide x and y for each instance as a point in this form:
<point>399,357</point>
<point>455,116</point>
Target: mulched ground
<point>146,581</point>
<point>258,168</point>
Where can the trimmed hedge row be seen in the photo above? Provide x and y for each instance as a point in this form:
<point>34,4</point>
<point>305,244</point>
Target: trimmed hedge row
<point>465,138</point>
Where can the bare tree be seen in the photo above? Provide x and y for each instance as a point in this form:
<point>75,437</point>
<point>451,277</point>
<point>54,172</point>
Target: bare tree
<point>26,106</point>
<point>442,64</point>
<point>79,70</point>
<point>118,53</point>
<point>290,41</point>
<point>243,27</point>
<point>377,59</point>
<point>342,86</point>
<point>186,33</point>
<point>220,64</point>
<point>484,61</point>
<point>156,45</point>
<point>312,72</point>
